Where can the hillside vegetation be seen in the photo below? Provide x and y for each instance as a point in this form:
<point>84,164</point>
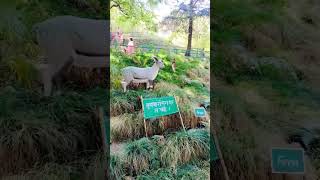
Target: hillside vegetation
<point>169,152</point>
<point>45,138</point>
<point>266,82</point>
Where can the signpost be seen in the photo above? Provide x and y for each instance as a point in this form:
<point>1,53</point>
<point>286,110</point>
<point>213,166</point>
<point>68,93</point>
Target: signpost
<point>105,129</point>
<point>287,160</point>
<point>213,151</point>
<point>158,107</point>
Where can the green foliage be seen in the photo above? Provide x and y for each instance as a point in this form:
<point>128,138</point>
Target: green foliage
<point>37,131</point>
<point>24,71</point>
<point>141,155</point>
<point>133,13</point>
<point>84,168</point>
<point>224,67</point>
<point>146,158</point>
<point>240,155</point>
<point>235,13</point>
<point>141,59</point>
<point>274,3</point>
<point>183,147</point>
<point>117,170</point>
<point>232,16</point>
<point>55,129</point>
<point>190,171</point>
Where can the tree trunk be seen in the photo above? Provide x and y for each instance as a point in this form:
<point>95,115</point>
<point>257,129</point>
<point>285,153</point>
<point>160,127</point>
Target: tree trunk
<point>190,30</point>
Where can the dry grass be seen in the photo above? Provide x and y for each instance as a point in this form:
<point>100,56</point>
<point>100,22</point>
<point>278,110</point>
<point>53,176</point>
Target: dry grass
<point>120,105</point>
<point>44,141</point>
<point>127,126</point>
<point>131,126</point>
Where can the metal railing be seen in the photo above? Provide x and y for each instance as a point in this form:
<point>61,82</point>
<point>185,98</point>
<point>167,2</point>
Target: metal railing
<point>156,48</point>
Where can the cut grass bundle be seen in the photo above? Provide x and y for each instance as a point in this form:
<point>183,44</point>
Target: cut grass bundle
<point>127,126</point>
<point>140,156</point>
<point>183,147</point>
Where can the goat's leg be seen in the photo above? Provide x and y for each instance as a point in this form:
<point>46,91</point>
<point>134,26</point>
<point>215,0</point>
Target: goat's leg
<point>47,81</point>
<point>124,86</point>
<point>147,84</point>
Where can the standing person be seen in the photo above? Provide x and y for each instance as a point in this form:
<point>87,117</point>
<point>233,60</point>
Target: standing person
<point>130,48</point>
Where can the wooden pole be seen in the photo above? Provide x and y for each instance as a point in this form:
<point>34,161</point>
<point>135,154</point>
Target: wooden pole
<point>216,141</point>
<point>104,141</point>
<point>144,120</point>
<point>103,130</point>
<point>180,114</point>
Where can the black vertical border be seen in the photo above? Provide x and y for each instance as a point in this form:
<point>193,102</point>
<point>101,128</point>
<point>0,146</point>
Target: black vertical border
<point>107,106</point>
<point>213,164</point>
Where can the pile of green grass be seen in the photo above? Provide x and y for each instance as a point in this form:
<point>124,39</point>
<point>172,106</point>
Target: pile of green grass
<point>145,158</point>
<point>192,171</point>
<point>182,147</point>
<point>82,169</point>
<point>57,129</point>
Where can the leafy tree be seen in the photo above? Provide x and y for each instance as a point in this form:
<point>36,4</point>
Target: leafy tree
<point>135,11</point>
<point>183,17</point>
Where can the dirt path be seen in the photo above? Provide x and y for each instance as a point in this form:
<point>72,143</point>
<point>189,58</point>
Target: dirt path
<point>117,148</point>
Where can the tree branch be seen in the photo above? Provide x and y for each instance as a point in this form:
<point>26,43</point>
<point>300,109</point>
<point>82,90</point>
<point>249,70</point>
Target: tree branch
<point>117,5</point>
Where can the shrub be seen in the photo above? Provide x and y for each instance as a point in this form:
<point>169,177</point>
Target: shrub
<point>127,126</point>
<point>24,71</point>
<point>117,168</point>
<point>55,129</point>
<point>139,155</point>
<point>182,147</point>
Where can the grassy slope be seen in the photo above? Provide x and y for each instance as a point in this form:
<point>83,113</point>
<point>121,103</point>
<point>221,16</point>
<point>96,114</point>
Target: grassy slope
<point>51,138</point>
<point>151,158</point>
<point>259,109</point>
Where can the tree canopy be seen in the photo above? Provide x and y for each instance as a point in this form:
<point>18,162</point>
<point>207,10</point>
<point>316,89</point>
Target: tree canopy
<point>134,12</point>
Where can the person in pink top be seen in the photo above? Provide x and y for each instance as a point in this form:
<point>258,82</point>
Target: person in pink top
<point>130,48</point>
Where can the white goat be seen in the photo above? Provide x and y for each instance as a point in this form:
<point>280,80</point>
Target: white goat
<point>141,75</point>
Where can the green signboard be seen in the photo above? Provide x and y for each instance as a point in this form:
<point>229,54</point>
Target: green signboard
<point>200,112</point>
<point>290,160</point>
<point>157,107</point>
